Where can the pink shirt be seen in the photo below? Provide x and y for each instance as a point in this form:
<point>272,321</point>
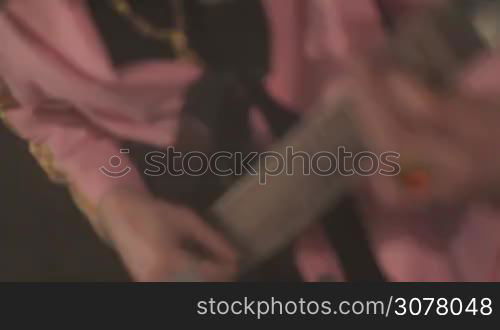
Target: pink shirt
<point>74,102</point>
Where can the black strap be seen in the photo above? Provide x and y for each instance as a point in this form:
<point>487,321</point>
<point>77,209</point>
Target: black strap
<point>387,18</point>
<point>349,238</point>
<point>279,117</point>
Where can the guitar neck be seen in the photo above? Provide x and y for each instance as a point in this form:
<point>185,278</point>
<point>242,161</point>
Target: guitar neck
<point>261,218</point>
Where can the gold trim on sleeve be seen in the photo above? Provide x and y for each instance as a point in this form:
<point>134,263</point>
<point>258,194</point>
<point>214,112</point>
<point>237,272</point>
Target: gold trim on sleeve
<point>45,159</point>
<point>89,210</point>
<point>7,102</point>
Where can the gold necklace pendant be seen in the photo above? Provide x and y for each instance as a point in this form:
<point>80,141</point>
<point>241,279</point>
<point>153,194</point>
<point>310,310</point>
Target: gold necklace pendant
<point>174,37</point>
<point>180,43</point>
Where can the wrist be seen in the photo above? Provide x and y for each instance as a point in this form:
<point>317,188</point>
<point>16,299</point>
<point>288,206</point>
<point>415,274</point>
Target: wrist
<point>116,202</point>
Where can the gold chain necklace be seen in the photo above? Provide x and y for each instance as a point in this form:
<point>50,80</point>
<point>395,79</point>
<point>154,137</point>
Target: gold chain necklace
<point>175,37</point>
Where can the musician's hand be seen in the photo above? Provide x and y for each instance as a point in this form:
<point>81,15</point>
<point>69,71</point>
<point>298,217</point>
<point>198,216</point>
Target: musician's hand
<point>448,143</point>
<point>162,242</point>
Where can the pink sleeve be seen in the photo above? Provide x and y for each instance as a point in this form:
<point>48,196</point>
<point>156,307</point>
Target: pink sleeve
<point>67,145</point>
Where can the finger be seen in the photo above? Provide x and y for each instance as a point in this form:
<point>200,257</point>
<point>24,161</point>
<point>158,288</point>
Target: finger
<point>473,131</point>
<point>381,130</point>
<point>215,271</point>
<point>406,99</point>
<point>471,122</point>
<point>176,265</point>
<point>191,268</point>
<point>200,232</point>
<point>188,269</point>
<point>412,101</point>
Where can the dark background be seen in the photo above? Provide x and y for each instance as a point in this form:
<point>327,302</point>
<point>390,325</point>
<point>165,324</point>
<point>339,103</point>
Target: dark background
<point>43,237</point>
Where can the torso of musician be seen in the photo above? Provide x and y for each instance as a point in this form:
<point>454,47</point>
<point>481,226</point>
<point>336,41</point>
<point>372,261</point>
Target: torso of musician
<point>77,99</point>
